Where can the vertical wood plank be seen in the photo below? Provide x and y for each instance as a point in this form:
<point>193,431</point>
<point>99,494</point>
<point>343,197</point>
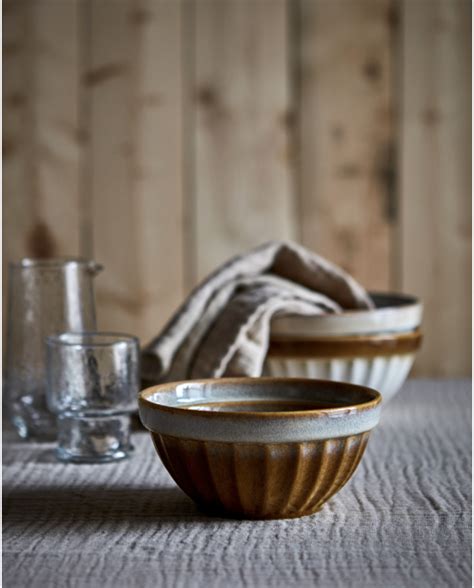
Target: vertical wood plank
<point>346,134</point>
<point>41,146</point>
<point>243,168</point>
<point>41,138</point>
<point>157,173</point>
<point>108,90</point>
<point>16,201</point>
<point>16,220</point>
<point>133,85</point>
<point>435,233</point>
<point>41,128</point>
<point>56,125</point>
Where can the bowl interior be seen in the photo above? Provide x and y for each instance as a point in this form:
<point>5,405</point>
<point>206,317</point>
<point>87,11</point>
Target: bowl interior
<point>259,395</point>
<point>392,300</point>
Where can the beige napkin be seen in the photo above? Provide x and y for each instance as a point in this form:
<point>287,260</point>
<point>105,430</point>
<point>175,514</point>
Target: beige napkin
<point>223,328</point>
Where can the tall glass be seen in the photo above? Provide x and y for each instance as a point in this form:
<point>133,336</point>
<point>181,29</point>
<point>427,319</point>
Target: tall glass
<point>45,296</point>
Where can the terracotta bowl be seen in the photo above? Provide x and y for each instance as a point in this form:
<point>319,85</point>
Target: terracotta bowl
<point>374,348</point>
<point>260,448</point>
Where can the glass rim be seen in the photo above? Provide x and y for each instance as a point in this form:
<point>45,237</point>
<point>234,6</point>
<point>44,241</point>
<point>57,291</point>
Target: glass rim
<point>27,262</point>
<point>111,339</point>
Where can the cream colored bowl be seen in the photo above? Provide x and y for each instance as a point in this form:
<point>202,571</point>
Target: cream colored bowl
<point>393,313</point>
<point>374,348</point>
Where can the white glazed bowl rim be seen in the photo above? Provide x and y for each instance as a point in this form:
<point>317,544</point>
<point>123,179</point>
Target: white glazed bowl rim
<point>167,409</point>
<point>394,313</point>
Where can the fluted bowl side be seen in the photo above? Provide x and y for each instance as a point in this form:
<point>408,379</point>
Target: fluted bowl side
<point>261,481</point>
<point>260,448</point>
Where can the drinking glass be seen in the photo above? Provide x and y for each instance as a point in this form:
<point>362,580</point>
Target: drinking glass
<point>92,387</point>
<point>46,296</point>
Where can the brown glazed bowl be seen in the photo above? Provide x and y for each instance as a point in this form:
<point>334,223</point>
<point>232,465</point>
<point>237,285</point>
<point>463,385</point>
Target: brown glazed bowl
<point>260,448</point>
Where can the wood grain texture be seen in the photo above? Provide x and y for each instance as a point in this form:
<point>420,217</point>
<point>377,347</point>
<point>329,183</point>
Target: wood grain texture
<point>41,144</point>
<point>108,87</point>
<point>16,223</point>
<point>56,138</point>
<point>134,88</point>
<point>157,169</point>
<point>402,520</point>
<point>243,163</point>
<point>346,134</point>
<point>162,137</point>
<point>435,230</point>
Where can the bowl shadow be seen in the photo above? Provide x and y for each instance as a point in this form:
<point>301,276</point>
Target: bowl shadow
<point>98,504</point>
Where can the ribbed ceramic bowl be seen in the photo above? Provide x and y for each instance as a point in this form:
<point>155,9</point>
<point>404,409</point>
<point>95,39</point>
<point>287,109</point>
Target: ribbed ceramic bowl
<point>260,448</point>
<point>374,348</point>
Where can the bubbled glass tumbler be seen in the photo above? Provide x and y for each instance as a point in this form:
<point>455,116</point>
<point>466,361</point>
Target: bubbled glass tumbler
<point>92,387</point>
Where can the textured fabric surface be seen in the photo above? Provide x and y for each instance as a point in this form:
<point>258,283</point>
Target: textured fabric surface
<point>403,520</point>
<point>223,328</point>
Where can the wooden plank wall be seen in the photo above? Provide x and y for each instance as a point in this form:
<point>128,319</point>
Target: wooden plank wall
<point>162,136</point>
<point>132,86</point>
<point>41,143</point>
<point>243,166</point>
<point>435,221</point>
<point>346,134</point>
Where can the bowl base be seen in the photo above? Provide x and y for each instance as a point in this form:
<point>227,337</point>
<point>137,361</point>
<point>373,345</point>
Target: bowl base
<point>215,511</point>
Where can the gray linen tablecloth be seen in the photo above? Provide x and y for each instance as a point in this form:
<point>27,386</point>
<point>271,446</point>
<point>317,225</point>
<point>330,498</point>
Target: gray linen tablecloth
<point>403,520</point>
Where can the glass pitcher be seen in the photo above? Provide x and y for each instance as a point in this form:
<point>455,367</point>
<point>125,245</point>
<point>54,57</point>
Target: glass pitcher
<point>45,296</point>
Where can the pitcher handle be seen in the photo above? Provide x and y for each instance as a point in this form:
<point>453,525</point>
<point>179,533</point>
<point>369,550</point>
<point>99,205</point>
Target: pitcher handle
<point>94,268</point>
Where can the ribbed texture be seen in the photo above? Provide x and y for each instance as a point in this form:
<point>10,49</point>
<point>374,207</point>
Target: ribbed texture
<point>385,373</point>
<point>265,481</point>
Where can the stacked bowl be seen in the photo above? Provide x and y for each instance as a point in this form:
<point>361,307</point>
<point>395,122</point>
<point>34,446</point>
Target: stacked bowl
<point>374,348</point>
<point>282,446</point>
